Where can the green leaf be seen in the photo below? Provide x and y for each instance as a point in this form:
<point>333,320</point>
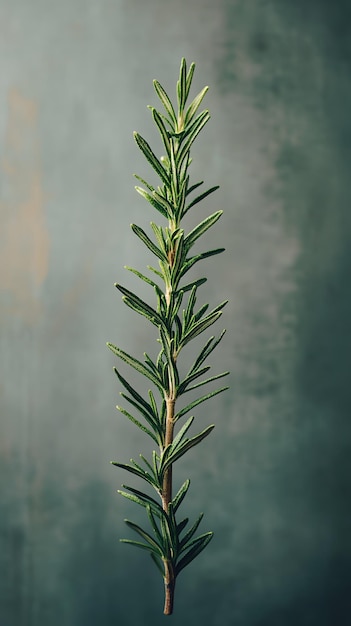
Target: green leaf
<point>143,499</point>
<point>201,229</point>
<point>179,258</point>
<point>175,235</point>
<point>155,478</point>
<point>179,497</point>
<point>155,459</point>
<point>181,86</point>
<point>151,198</point>
<point>183,183</point>
<point>136,395</point>
<point>188,313</point>
<point>208,380</point>
<point>161,127</point>
<point>151,157</point>
<point>168,548</point>
<point>139,305</point>
<point>172,524</point>
<point>219,307</point>
<point>155,271</point>
<point>206,351</point>
<point>162,305</point>
<point>178,438</point>
<point>154,526</point>
<point>190,406</point>
<point>132,305</point>
<point>171,367</point>
<point>141,276</point>
<point>194,259</point>
<point>192,131</point>
<point>189,544</point>
<point>165,101</point>
<point>137,423</point>
<point>165,203</point>
<point>182,525</point>
<point>193,107</point>
<point>151,364</point>
<point>177,334</point>
<point>199,544</point>
<point>143,546</point>
<point>150,187</point>
<point>176,453</point>
<point>200,197</point>
<point>139,367</point>
<point>153,405</point>
<point>201,312</point>
<point>163,413</point>
<point>149,540</point>
<point>138,472</point>
<point>166,274</point>
<point>200,327</point>
<point>195,186</point>
<point>175,302</point>
<point>190,377</point>
<point>147,241</point>
<point>151,420</point>
<point>152,469</point>
<point>195,283</point>
<point>164,459</point>
<point>160,236</point>
<point>189,79</point>
<point>191,532</point>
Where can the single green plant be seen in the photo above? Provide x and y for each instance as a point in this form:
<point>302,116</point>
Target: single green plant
<point>171,544</point>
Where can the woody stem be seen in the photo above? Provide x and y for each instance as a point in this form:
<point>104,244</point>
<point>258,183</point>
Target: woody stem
<point>169,575</point>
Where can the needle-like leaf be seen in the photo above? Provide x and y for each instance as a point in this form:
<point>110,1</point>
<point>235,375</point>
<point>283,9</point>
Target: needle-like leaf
<point>210,345</point>
<point>165,101</point>
<point>195,403</point>
<point>139,305</point>
<point>179,497</point>
<point>195,105</point>
<point>150,197</point>
<point>138,472</point>
<point>208,380</point>
<point>147,241</point>
<point>143,499</point>
<point>137,423</point>
<point>150,541</point>
<point>175,453</point>
<point>201,229</point>
<point>200,197</point>
<point>199,544</point>
<point>139,367</point>
<point>151,157</point>
<point>163,131</point>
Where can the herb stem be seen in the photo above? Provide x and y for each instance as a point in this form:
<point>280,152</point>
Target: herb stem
<point>169,588</point>
<point>169,575</point>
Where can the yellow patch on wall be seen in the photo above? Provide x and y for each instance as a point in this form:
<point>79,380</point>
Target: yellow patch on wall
<point>24,241</point>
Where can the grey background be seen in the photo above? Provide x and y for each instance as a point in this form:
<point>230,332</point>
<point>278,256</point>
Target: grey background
<point>273,479</point>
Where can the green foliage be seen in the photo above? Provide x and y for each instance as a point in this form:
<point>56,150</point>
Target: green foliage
<point>172,544</point>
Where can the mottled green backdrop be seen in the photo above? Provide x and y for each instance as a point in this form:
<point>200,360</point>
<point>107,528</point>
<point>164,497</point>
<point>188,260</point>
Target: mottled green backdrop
<point>274,478</point>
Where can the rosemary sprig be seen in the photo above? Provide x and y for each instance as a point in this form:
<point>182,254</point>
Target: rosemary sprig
<point>171,545</point>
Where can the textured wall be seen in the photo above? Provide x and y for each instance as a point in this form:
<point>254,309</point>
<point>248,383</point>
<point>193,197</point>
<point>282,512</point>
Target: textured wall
<point>75,78</point>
